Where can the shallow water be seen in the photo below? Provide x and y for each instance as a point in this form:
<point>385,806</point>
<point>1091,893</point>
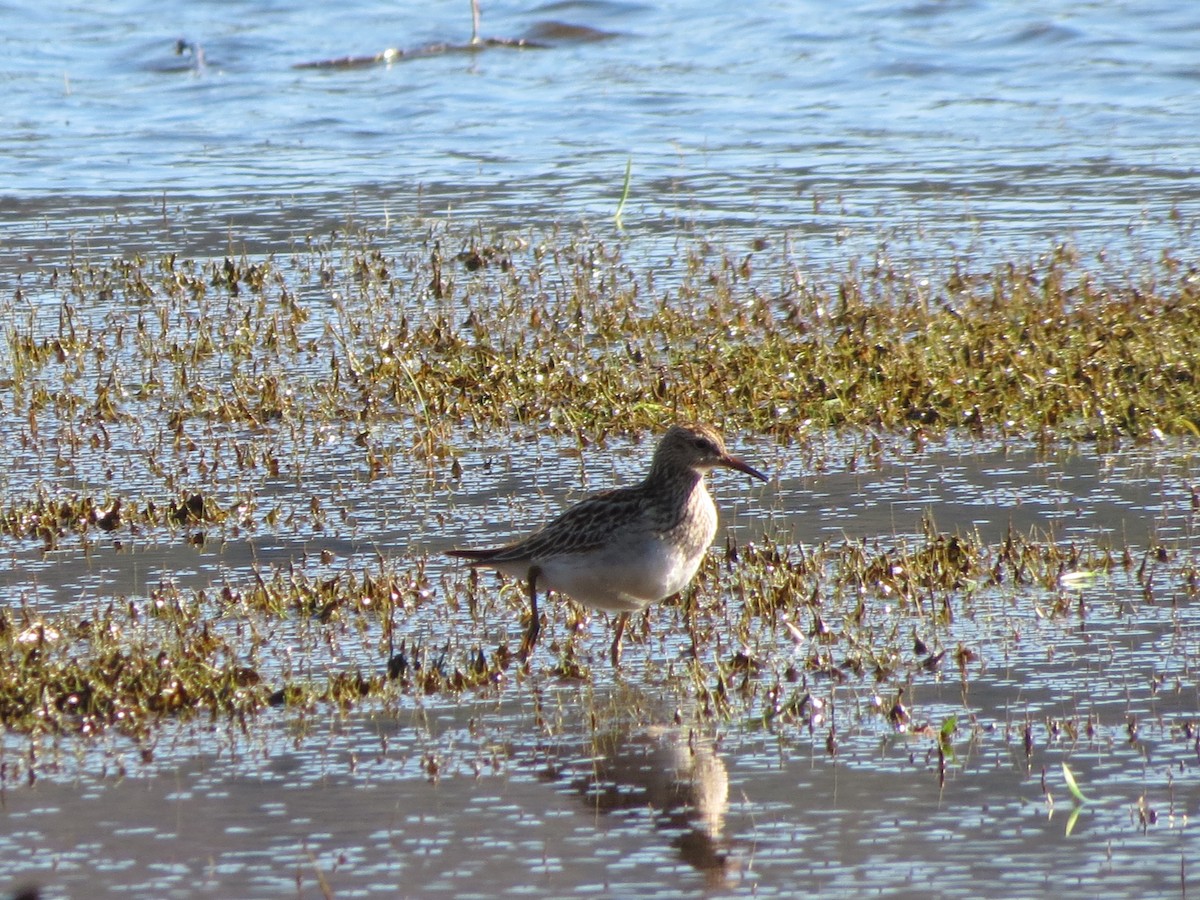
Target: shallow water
<point>546,787</point>
<point>965,128</point>
<point>793,771</point>
<point>934,133</point>
<point>532,804</point>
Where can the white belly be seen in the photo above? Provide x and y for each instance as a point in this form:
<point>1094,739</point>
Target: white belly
<point>630,567</point>
<point>623,578</point>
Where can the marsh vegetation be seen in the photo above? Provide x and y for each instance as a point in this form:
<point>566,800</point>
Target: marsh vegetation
<point>230,480</point>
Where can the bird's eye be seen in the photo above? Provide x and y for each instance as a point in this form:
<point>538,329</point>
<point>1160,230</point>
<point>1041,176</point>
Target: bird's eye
<point>702,443</point>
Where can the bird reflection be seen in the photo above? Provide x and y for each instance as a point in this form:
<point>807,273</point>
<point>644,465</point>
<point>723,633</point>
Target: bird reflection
<point>676,773</point>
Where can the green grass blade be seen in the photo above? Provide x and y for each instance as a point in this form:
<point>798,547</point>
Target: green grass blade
<point>1072,786</point>
<point>624,195</point>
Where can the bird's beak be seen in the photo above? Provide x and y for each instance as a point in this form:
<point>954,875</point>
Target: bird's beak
<point>733,462</point>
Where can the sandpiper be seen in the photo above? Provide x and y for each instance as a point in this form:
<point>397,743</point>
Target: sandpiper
<point>621,550</point>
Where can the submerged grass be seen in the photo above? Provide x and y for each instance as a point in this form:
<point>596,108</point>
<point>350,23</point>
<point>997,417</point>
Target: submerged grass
<point>167,399</point>
<point>566,335</point>
<point>88,674</point>
<point>769,633</point>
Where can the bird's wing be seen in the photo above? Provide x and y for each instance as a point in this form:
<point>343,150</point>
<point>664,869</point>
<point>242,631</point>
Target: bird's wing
<point>585,525</point>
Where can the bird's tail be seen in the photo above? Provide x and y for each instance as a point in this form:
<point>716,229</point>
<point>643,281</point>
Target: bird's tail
<point>473,556</point>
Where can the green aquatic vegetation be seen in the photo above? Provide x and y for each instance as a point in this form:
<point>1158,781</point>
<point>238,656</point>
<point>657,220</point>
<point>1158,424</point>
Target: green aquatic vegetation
<point>618,216</point>
<point>1072,785</point>
<point>111,669</point>
<point>769,633</point>
<point>216,388</point>
<point>861,616</point>
<point>568,335</point>
<point>52,518</point>
<point>128,665</point>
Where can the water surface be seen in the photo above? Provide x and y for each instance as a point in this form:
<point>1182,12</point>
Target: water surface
<point>965,127</point>
<point>930,133</point>
<point>551,787</point>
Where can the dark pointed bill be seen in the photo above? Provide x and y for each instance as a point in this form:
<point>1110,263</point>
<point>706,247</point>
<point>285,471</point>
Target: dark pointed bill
<point>733,462</point>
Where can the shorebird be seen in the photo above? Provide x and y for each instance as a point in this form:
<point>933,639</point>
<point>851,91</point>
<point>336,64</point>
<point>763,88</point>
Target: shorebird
<point>623,549</point>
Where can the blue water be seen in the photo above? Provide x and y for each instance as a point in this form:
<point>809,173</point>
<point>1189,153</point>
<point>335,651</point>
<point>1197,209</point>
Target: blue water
<point>961,125</point>
<point>983,129</point>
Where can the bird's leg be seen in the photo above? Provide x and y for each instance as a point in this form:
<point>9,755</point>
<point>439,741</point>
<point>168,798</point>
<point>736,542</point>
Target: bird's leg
<point>615,653</point>
<point>535,623</point>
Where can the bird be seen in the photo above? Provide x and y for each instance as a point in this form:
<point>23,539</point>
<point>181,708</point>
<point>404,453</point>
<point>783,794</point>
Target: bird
<point>621,550</point>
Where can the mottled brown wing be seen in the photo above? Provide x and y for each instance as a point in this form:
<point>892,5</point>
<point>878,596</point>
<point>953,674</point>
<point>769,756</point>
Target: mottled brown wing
<point>584,526</point>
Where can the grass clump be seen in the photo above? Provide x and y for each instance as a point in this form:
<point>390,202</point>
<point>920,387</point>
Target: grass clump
<point>248,398</point>
<point>88,675</point>
<point>567,335</point>
<point>1046,349</point>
